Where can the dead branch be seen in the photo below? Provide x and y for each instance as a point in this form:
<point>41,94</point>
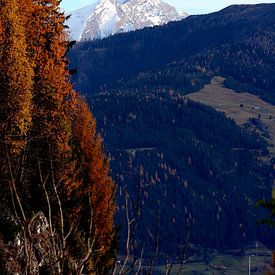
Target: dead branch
<point>128,240</point>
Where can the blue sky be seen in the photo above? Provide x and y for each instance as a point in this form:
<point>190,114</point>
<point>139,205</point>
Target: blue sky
<point>190,6</point>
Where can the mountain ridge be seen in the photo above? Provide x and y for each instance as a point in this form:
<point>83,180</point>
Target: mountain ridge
<point>108,17</point>
<point>238,42</point>
<point>197,167</point>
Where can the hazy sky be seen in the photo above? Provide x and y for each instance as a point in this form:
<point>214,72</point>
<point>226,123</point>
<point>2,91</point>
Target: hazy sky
<point>190,6</point>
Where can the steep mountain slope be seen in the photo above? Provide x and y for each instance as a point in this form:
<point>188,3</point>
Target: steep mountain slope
<point>183,160</point>
<point>187,162</point>
<point>246,109</point>
<point>237,42</point>
<point>78,19</point>
<point>108,17</point>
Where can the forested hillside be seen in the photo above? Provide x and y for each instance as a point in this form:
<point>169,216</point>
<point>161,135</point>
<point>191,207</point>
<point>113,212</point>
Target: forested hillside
<point>190,163</point>
<point>177,177</point>
<point>237,42</point>
<point>193,176</point>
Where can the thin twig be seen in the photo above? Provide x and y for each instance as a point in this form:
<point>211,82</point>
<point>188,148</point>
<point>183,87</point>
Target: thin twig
<point>129,223</point>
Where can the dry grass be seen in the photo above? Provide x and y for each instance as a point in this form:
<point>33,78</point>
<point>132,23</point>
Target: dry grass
<point>239,106</point>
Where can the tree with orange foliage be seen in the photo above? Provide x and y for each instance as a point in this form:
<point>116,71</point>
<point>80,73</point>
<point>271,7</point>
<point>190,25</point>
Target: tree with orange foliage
<point>51,130</point>
<point>64,221</point>
<point>54,100</point>
<point>16,86</point>
<point>16,76</point>
<point>97,186</point>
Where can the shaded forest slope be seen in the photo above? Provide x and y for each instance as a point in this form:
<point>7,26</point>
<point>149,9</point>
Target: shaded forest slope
<point>237,42</point>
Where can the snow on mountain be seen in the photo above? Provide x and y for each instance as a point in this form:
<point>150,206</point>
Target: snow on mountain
<point>107,17</point>
<point>78,19</point>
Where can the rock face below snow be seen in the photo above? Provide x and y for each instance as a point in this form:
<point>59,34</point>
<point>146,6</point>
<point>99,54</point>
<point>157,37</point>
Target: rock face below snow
<point>107,17</point>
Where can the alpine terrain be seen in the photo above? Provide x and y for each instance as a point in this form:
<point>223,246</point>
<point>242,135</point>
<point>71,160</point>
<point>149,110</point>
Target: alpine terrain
<point>193,173</point>
<point>108,17</point>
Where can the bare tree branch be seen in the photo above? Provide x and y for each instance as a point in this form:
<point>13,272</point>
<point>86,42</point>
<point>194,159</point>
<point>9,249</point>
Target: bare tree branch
<point>128,240</point>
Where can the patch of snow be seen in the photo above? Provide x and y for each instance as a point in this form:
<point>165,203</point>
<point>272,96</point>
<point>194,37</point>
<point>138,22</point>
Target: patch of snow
<point>77,21</point>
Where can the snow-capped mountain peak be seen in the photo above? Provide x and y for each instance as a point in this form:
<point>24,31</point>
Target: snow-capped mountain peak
<point>107,17</point>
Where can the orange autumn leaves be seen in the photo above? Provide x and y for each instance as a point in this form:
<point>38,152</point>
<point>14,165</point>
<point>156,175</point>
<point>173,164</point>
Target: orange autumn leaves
<point>44,119</point>
<point>95,169</point>
<point>16,75</point>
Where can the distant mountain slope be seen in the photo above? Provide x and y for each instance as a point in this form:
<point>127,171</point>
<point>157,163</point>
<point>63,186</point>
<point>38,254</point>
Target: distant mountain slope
<point>192,164</point>
<point>78,19</point>
<point>187,161</point>
<point>246,109</point>
<point>107,17</point>
<point>237,42</point>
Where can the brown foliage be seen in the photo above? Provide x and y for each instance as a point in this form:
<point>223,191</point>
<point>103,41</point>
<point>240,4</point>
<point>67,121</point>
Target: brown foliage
<point>54,159</point>
<point>94,171</point>
<point>16,74</point>
<point>51,124</point>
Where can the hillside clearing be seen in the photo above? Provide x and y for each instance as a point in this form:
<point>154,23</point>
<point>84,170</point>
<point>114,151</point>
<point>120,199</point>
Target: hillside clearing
<point>239,106</point>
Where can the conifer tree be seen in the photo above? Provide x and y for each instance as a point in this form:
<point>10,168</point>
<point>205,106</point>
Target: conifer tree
<point>54,100</point>
<point>61,168</point>
<point>47,47</point>
<point>16,76</point>
<point>97,186</point>
<point>16,86</point>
